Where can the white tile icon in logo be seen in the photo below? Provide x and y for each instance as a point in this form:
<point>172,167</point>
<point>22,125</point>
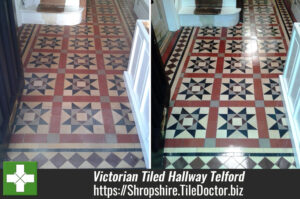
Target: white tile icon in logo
<point>20,178</point>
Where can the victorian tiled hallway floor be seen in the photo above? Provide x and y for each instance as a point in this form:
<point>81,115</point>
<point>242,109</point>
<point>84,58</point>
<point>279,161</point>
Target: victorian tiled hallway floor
<point>74,112</point>
<point>226,110</point>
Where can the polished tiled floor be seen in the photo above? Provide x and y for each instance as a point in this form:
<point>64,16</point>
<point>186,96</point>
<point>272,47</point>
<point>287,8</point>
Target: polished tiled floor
<point>74,112</point>
<point>226,109</point>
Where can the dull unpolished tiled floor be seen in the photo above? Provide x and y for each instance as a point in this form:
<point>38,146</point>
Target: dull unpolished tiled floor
<point>74,112</point>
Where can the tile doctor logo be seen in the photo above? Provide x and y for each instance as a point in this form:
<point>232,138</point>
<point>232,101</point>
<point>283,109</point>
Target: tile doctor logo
<point>19,178</point>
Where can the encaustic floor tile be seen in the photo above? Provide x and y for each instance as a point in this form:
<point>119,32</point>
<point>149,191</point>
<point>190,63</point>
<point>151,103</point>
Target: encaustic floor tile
<point>226,109</point>
<point>74,112</point>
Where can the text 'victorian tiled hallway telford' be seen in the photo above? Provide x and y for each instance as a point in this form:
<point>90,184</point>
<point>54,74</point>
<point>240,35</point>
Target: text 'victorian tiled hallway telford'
<point>74,112</point>
<point>226,107</point>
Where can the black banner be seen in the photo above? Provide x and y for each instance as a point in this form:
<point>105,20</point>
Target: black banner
<point>84,184</point>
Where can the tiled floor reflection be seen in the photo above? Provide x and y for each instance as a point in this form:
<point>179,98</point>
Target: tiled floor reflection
<point>226,106</point>
<point>75,112</point>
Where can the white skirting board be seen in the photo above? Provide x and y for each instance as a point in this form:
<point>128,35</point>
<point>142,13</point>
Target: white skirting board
<point>293,127</point>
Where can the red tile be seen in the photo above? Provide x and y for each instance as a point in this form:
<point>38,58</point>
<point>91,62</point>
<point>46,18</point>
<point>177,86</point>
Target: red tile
<point>127,138</point>
<point>262,125</point>
<point>281,143</point>
<point>211,131</point>
<point>35,138</point>
<point>237,143</point>
<point>184,143</point>
<point>82,138</point>
<point>17,138</point>
<point>55,118</point>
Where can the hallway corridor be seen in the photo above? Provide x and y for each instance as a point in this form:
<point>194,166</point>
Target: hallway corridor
<point>226,109</point>
<point>75,111</point>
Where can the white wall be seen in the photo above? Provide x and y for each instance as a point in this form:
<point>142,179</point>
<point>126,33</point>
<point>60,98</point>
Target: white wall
<point>18,7</point>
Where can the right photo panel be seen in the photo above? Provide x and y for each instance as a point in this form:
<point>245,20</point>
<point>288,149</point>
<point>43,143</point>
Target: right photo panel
<point>224,84</point>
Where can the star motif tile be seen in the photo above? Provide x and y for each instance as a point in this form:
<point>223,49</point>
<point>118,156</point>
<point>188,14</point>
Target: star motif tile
<point>262,2</point>
<point>116,61</point>
<point>201,65</point>
<point>241,46</point>
<point>81,118</point>
<point>237,89</point>
<point>48,42</point>
<point>44,60</point>
<point>104,3</point>
<point>81,44</point>
<point>247,20</point>
<point>114,44</point>
<point>271,46</point>
<point>206,46</point>
<point>187,122</point>
<point>123,118</point>
<point>111,30</point>
<point>238,65</point>
<point>271,89</point>
<point>270,65</point>
<point>110,19</point>
<point>82,30</point>
<point>209,32</point>
<point>268,31</point>
<point>106,10</point>
<point>33,118</point>
<point>81,61</point>
<point>237,122</point>
<point>277,123</point>
<point>239,31</point>
<point>195,89</point>
<point>51,29</point>
<point>39,84</point>
<point>263,9</point>
<point>116,85</point>
<point>81,85</point>
<point>265,19</point>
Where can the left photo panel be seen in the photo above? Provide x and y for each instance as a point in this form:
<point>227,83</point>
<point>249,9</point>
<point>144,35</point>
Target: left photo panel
<point>75,83</point>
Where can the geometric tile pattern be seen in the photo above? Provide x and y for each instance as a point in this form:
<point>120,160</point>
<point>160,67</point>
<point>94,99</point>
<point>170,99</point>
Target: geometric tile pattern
<point>202,65</point>
<point>81,61</point>
<point>272,64</point>
<point>187,122</point>
<point>237,89</point>
<point>116,85</point>
<point>195,89</point>
<point>130,17</point>
<point>271,89</point>
<point>33,117</point>
<point>225,93</point>
<point>277,122</point>
<point>176,56</point>
<point>75,99</point>
<point>81,118</point>
<point>43,60</point>
<point>123,118</point>
<point>238,65</point>
<point>39,83</point>
<point>80,160</point>
<point>81,85</point>
<point>237,123</point>
<point>229,161</point>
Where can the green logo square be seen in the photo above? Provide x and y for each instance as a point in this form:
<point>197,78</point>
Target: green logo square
<point>19,178</point>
